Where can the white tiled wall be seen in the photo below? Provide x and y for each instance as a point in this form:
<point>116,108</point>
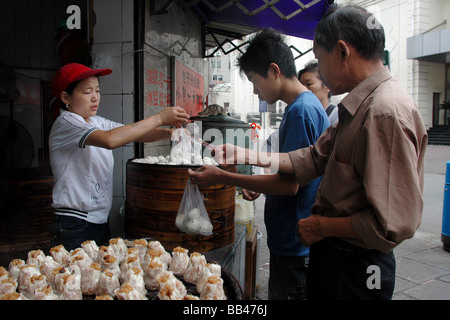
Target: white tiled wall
<point>113,48</point>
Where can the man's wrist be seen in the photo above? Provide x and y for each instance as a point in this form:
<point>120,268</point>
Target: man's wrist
<point>324,228</point>
<point>337,227</point>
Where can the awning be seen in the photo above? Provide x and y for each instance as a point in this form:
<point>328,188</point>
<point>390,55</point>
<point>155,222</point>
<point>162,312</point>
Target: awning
<point>429,46</point>
<point>226,20</point>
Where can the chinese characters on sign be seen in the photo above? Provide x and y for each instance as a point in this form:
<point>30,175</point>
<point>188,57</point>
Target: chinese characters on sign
<point>189,89</point>
<point>160,89</point>
<point>185,88</point>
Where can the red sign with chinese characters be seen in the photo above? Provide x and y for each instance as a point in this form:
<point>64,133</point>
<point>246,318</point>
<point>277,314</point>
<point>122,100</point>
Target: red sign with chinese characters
<point>188,88</point>
<point>160,88</point>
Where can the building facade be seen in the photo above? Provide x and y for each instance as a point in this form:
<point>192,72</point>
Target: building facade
<point>418,43</point>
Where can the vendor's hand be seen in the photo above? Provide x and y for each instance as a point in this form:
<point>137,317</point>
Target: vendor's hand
<point>250,195</point>
<point>228,155</point>
<point>173,116</point>
<point>205,176</point>
<point>309,230</point>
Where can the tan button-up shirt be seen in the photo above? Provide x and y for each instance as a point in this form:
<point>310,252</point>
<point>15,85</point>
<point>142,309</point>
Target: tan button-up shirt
<point>372,164</point>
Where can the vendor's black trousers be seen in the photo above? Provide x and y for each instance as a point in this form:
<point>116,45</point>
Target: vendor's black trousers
<point>71,232</point>
<point>339,270</point>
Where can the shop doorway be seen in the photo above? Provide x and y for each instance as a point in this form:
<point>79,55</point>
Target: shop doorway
<point>436,104</point>
<point>444,106</point>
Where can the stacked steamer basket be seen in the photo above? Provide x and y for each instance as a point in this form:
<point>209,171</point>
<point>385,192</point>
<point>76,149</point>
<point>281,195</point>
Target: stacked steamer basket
<point>27,214</point>
<point>153,196</point>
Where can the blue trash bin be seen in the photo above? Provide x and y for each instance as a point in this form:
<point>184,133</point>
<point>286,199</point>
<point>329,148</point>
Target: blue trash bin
<point>445,235</point>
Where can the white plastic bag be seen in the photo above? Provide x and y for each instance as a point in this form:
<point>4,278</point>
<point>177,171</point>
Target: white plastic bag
<point>186,149</point>
<point>192,216</point>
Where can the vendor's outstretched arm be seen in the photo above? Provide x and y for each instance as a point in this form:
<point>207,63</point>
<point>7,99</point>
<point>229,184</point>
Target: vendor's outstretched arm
<point>146,130</point>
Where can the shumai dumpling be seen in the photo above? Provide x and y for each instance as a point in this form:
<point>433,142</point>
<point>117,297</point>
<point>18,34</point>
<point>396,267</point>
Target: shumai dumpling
<point>135,277</point>
<point>71,287</point>
<point>167,278</point>
<point>4,274</point>
<point>154,267</point>
<point>45,293</point>
<point>169,292</point>
<point>8,286</point>
<point>13,296</point>
<point>81,260</point>
<point>196,267</point>
<point>213,289</point>
<point>90,278</point>
<point>129,292</point>
<point>128,263</point>
<point>60,255</point>
<point>211,268</point>
<point>109,282</point>
<point>58,279</point>
<point>26,272</point>
<point>91,248</point>
<point>111,263</point>
<point>14,267</point>
<point>132,252</point>
<point>102,252</point>
<point>118,247</point>
<point>36,257</point>
<point>156,245</point>
<point>141,246</point>
<point>47,268</point>
<point>37,282</point>
<point>180,261</point>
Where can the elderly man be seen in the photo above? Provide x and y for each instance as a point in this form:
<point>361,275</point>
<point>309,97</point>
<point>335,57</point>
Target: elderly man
<point>371,195</point>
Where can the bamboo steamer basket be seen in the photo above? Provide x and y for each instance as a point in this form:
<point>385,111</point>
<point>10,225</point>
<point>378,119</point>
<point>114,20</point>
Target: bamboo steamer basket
<point>27,213</point>
<point>153,196</point>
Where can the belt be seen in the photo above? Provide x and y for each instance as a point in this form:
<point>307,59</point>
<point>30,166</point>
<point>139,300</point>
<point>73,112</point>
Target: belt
<point>346,247</point>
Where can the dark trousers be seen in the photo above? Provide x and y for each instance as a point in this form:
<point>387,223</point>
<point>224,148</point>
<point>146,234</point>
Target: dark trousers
<point>287,278</point>
<point>339,270</point>
<point>72,232</point>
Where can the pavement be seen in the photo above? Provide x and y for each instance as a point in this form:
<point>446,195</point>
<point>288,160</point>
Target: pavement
<point>423,266</point>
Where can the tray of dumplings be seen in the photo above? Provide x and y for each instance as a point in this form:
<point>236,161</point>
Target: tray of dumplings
<point>139,269</point>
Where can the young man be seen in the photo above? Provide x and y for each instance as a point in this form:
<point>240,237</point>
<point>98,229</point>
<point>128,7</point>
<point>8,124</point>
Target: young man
<point>371,195</point>
<point>310,78</point>
<point>269,65</point>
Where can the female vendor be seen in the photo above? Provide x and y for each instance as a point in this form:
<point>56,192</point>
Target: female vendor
<point>81,155</point>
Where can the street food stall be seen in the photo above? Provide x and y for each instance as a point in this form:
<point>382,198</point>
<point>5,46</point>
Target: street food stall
<point>153,191</point>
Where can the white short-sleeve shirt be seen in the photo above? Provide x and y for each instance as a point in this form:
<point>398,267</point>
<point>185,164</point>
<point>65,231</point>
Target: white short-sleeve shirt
<point>333,117</point>
<point>83,175</point>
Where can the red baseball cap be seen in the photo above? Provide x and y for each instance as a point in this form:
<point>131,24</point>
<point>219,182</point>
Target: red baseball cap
<point>73,72</point>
